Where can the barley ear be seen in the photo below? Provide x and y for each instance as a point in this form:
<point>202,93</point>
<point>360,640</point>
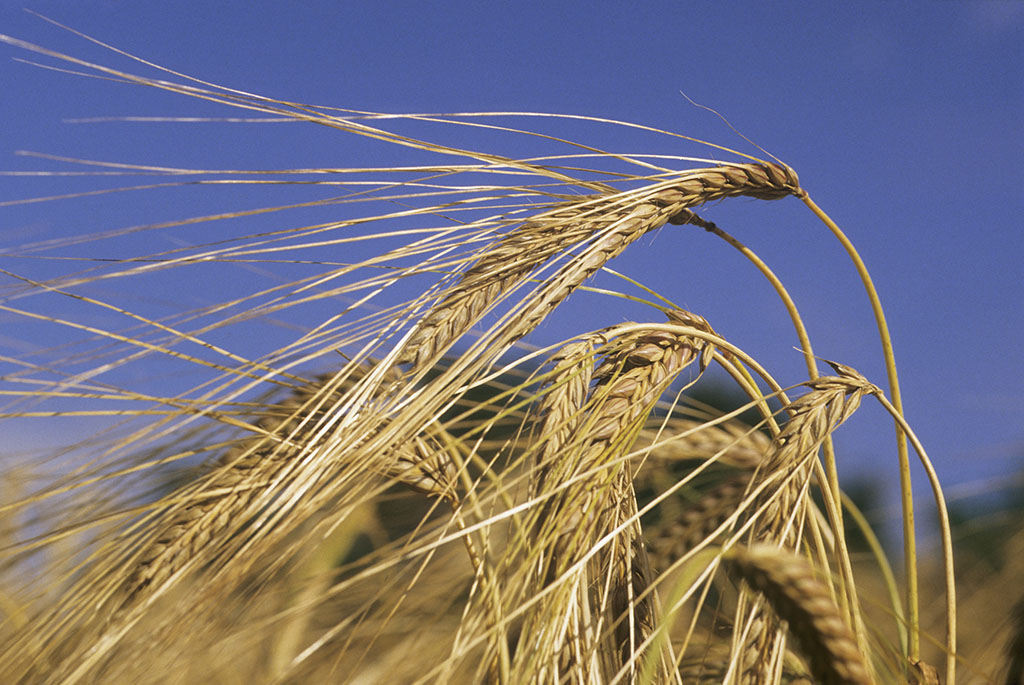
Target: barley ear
<point>789,585</point>
<point>601,226</point>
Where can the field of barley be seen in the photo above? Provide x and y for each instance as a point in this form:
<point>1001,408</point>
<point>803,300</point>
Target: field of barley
<point>439,412</point>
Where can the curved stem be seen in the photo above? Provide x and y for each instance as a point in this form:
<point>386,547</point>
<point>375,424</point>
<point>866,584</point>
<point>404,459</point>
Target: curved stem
<point>906,493</point>
<point>848,602</point>
<point>805,346</point>
<point>945,531</point>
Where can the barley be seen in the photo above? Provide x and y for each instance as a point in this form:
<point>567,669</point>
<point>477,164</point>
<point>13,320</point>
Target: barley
<point>223,497</point>
<point>243,474</point>
<point>732,443</point>
<point>797,596</point>
<point>812,417</point>
<point>697,523</point>
<point>596,499</point>
<point>558,587</point>
<point>832,400</point>
<point>605,225</point>
<point>560,406</point>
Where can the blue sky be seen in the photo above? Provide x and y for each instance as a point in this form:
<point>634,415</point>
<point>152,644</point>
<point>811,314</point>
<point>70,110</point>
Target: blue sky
<point>904,121</point>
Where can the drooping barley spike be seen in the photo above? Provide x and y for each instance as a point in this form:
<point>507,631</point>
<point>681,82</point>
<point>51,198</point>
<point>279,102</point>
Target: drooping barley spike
<point>595,497</point>
<point>604,225</point>
<point>637,368</point>
<point>559,407</point>
<point>244,473</point>
<point>813,416</point>
<point>632,608</point>
<point>632,377</point>
<point>630,380</point>
<point>240,475</point>
<point>785,469</point>
<point>793,591</point>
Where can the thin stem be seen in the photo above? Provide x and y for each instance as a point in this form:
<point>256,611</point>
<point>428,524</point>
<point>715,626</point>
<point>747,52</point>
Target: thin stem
<point>906,491</point>
<point>883,565</point>
<point>828,449</point>
<point>946,533</point>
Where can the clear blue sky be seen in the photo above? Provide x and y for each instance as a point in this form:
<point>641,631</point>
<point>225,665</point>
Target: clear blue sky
<point>904,120</point>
